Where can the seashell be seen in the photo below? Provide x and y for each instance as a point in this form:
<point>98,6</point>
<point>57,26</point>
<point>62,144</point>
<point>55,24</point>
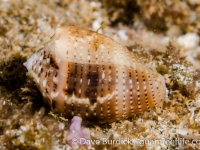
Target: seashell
<point>83,73</point>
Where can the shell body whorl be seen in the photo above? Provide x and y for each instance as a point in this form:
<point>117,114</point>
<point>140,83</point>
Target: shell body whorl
<point>83,73</point>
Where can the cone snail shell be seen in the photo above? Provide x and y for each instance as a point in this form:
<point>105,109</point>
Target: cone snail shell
<point>83,73</point>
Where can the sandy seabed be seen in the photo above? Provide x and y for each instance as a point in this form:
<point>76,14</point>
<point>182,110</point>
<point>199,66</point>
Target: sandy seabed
<point>163,34</point>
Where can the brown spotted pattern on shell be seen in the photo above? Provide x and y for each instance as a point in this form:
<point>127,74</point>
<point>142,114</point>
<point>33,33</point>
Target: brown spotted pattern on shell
<point>83,73</point>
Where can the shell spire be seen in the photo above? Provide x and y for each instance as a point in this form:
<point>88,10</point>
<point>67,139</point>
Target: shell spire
<point>84,73</point>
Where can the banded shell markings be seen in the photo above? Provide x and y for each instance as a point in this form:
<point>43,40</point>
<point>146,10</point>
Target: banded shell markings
<point>83,73</point>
